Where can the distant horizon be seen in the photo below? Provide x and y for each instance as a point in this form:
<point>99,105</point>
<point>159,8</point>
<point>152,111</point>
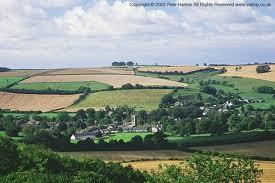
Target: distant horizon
<point>208,64</point>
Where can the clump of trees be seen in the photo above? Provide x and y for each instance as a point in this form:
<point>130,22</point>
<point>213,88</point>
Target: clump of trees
<point>204,169</point>
<point>119,64</point>
<point>265,89</point>
<point>263,69</point>
<point>4,69</point>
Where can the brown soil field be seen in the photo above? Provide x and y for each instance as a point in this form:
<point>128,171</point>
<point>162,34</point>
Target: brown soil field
<point>261,149</point>
<point>184,69</point>
<point>33,102</point>
<point>249,71</point>
<point>119,156</point>
<point>21,73</point>
<point>267,166</point>
<point>114,80</point>
<point>91,71</point>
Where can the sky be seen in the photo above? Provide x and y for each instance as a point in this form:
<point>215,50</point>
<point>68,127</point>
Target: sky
<point>88,33</point>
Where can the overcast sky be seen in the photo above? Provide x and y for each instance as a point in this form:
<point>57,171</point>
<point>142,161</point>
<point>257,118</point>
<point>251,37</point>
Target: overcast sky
<point>85,33</point>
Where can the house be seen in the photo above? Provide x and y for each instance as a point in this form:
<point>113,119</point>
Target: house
<point>84,135</point>
<point>156,128</point>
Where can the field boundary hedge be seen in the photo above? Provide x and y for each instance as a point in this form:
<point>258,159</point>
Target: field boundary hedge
<point>210,69</point>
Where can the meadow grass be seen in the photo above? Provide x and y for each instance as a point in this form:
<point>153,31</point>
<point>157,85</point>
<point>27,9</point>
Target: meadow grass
<point>5,81</point>
<point>71,86</point>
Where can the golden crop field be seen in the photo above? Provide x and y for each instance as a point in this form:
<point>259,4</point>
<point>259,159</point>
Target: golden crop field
<point>34,102</point>
<point>140,99</point>
<point>115,80</point>
<point>267,166</point>
<point>91,71</point>
<point>249,71</point>
<point>184,69</point>
<point>21,73</point>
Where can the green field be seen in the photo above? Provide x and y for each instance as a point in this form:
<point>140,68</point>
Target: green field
<point>5,81</point>
<point>71,86</point>
<point>20,135</point>
<point>147,99</point>
<point>125,136</point>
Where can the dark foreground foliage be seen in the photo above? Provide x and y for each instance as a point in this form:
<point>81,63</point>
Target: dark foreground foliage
<point>36,164</point>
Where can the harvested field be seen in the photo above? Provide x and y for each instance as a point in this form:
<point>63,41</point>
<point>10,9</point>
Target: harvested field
<point>91,71</point>
<point>146,99</point>
<point>267,166</point>
<point>262,149</point>
<point>21,73</point>
<point>249,71</point>
<point>163,156</point>
<point>33,102</point>
<point>115,80</point>
<point>184,69</point>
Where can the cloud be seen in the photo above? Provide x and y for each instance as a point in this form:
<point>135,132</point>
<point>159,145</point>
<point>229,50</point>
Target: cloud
<point>236,20</point>
<point>98,33</point>
<point>118,19</point>
<point>52,3</point>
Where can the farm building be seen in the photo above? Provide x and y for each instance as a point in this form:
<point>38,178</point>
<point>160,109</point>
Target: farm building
<point>84,135</point>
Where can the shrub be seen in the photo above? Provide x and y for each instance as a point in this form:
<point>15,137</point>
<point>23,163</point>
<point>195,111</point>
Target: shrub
<point>263,69</point>
<point>265,89</point>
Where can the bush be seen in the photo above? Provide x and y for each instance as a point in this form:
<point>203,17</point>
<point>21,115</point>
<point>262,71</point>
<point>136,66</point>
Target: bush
<point>127,86</point>
<point>265,89</point>
<point>12,129</point>
<point>209,90</point>
<point>263,69</point>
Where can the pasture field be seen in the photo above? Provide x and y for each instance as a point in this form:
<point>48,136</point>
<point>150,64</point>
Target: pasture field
<point>20,135</point>
<point>91,71</point>
<point>249,71</point>
<point>172,139</point>
<point>22,72</point>
<point>5,81</point>
<point>140,99</point>
<point>183,69</point>
<point>125,136</point>
<point>33,102</point>
<point>115,80</point>
<point>267,167</point>
<point>70,86</point>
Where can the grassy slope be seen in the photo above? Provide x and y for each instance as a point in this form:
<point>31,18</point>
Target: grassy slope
<point>5,81</point>
<point>246,88</point>
<point>62,86</point>
<point>243,86</point>
<point>147,99</point>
